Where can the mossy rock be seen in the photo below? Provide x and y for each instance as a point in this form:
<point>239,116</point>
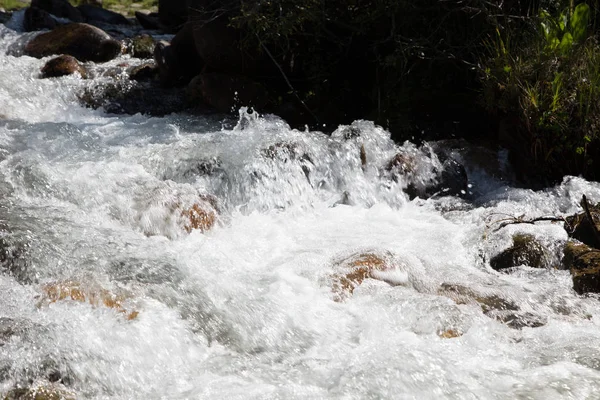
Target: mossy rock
<point>142,46</point>
<point>526,250</point>
<point>41,392</point>
<point>579,227</point>
<point>584,264</point>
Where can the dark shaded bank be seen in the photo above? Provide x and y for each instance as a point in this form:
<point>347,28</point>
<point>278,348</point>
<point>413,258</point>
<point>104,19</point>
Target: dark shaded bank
<point>503,72</point>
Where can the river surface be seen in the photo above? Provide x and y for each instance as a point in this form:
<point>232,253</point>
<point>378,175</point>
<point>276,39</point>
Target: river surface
<point>246,310</point>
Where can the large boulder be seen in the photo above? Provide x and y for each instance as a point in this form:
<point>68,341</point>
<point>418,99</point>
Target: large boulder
<point>178,61</point>
<point>226,93</point>
<point>525,250</point>
<point>59,8</point>
<point>584,264</point>
<point>82,41</point>
<point>61,66</point>
<point>93,14</point>
<point>36,19</point>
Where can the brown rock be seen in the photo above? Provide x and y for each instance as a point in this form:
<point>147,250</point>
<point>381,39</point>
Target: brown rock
<point>201,215</point>
<point>353,270</point>
<point>82,41</point>
<point>584,264</point>
<point>76,291</point>
<point>61,66</point>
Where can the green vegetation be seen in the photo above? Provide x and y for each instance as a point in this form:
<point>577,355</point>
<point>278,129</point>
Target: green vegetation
<point>129,7</point>
<point>11,5</point>
<point>543,82</point>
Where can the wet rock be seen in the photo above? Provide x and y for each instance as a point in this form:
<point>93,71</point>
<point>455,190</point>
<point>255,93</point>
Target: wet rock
<point>10,327</point>
<point>450,333</point>
<point>178,61</point>
<point>82,41</point>
<point>14,259</point>
<point>92,14</point>
<point>201,215</point>
<point>353,270</point>
<point>584,264</point>
<point>518,320</point>
<point>36,19</point>
<point>92,294</point>
<point>286,152</point>
<point>525,250</point>
<point>488,301</point>
<point>131,97</point>
<point>143,72</point>
<point>59,8</point>
<point>141,46</point>
<point>579,227</point>
<point>450,179</point>
<point>226,93</point>
<point>41,391</point>
<point>61,66</point>
<point>148,21</point>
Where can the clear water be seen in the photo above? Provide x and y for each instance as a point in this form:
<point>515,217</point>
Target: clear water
<point>245,310</point>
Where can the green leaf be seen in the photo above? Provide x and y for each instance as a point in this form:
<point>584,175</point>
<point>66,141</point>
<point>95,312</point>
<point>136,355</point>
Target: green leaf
<point>566,43</point>
<point>563,19</point>
<point>579,22</point>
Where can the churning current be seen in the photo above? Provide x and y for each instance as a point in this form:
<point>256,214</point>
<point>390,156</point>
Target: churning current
<point>116,282</point>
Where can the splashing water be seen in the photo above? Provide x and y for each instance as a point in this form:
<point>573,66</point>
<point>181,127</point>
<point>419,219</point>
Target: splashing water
<point>93,228</point>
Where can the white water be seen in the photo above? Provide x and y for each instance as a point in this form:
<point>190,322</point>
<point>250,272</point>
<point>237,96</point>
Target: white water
<point>245,310</point>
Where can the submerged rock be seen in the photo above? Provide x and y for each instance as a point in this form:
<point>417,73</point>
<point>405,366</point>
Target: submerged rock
<point>61,66</point>
<point>584,264</point>
<point>143,72</point>
<point>59,8</point>
<point>353,270</point>
<point>92,294</point>
<point>201,216</point>
<point>82,41</point>
<point>14,259</point>
<point>36,19</point>
<point>525,250</point>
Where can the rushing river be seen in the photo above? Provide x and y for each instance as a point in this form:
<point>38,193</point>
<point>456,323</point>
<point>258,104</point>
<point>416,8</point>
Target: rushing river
<point>246,310</point>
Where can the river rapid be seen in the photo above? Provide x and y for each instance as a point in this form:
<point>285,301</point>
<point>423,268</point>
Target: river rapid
<point>246,310</point>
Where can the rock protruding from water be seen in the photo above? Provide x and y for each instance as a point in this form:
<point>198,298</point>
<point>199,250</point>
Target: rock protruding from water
<point>82,41</point>
<point>59,8</point>
<point>353,270</point>
<point>141,46</point>
<point>525,250</point>
<point>201,216</point>
<point>584,263</point>
<point>580,227</point>
<point>61,66</point>
<point>41,391</point>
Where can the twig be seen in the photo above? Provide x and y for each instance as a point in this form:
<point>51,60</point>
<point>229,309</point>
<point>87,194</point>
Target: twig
<point>521,220</point>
